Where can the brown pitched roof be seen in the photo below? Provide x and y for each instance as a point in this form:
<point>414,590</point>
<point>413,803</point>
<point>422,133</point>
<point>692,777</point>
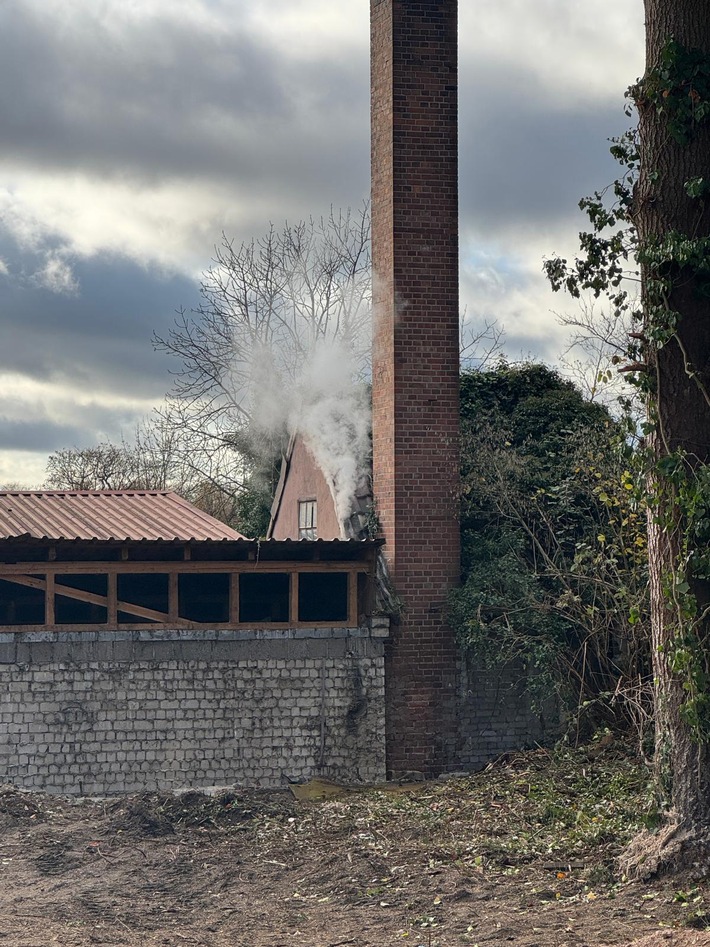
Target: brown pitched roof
<point>106,515</point>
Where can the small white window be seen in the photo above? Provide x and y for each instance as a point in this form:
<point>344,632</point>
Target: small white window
<point>307,519</point>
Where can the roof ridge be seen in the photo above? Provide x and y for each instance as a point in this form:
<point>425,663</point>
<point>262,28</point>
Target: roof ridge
<point>126,492</point>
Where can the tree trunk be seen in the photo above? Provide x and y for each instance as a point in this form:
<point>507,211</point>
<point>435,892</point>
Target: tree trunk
<point>679,379</point>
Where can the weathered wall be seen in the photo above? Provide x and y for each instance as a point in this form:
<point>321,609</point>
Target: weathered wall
<point>495,715</point>
<point>305,481</point>
<point>102,713</point>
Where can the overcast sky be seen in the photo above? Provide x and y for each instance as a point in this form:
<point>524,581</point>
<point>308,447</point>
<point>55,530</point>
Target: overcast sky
<point>134,132</point>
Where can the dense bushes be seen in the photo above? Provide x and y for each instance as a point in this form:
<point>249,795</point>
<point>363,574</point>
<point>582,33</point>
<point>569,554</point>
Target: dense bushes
<point>553,538</point>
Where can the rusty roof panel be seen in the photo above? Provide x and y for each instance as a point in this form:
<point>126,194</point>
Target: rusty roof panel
<point>106,515</point>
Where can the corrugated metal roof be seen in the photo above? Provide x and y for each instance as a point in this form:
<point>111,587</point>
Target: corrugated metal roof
<point>106,515</point>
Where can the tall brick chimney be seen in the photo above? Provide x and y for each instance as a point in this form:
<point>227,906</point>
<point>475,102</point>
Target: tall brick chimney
<point>416,361</point>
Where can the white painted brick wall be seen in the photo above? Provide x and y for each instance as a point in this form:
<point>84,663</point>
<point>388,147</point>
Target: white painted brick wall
<point>237,716</point>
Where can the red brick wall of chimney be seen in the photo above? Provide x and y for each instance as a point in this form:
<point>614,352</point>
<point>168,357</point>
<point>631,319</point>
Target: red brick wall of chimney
<point>416,362</point>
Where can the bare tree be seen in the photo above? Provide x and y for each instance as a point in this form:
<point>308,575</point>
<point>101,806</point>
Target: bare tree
<point>154,460</point>
<point>480,343</point>
<point>240,360</point>
<point>598,345</point>
<point>103,467</point>
<point>266,306</point>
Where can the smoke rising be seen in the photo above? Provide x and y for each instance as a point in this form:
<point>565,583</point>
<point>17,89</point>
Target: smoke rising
<point>334,419</point>
<point>328,406</point>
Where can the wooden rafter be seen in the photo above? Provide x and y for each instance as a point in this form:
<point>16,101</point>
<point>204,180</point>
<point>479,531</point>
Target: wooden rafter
<point>89,597</point>
<point>144,568</point>
<point>46,577</point>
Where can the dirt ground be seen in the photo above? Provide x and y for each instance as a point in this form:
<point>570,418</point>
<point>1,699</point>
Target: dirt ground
<point>522,854</point>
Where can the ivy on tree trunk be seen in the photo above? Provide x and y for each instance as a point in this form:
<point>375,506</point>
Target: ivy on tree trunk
<point>660,223</point>
<point>672,219</point>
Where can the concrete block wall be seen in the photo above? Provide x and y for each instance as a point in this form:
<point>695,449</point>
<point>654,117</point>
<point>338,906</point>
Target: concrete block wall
<point>103,713</point>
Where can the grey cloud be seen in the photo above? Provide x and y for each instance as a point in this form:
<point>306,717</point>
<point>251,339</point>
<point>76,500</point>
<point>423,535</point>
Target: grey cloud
<point>100,337</point>
<point>42,435</point>
<point>284,135</point>
<point>525,158</point>
<point>56,275</point>
<point>169,100</point>
<point>522,346</point>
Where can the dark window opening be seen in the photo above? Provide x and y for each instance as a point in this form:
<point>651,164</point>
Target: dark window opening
<point>20,604</point>
<point>69,611</point>
<point>204,597</point>
<point>264,597</point>
<point>148,590</point>
<point>323,596</point>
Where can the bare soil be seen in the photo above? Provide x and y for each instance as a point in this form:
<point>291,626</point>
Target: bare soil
<point>524,853</point>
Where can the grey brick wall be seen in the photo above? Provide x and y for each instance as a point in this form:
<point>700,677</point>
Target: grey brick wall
<point>495,715</point>
<point>105,713</point>
<point>101,713</point>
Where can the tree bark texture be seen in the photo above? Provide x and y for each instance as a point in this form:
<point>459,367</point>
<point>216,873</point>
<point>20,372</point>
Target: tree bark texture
<point>679,375</point>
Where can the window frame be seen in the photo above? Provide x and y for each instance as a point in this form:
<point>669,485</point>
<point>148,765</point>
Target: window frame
<point>43,576</point>
<point>308,518</point>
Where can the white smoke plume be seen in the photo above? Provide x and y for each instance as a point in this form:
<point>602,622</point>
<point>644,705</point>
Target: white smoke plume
<point>333,416</point>
<point>325,403</point>
<point>283,339</point>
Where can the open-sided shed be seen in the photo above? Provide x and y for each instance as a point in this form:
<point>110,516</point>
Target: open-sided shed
<point>145,644</point>
<point>150,559</point>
